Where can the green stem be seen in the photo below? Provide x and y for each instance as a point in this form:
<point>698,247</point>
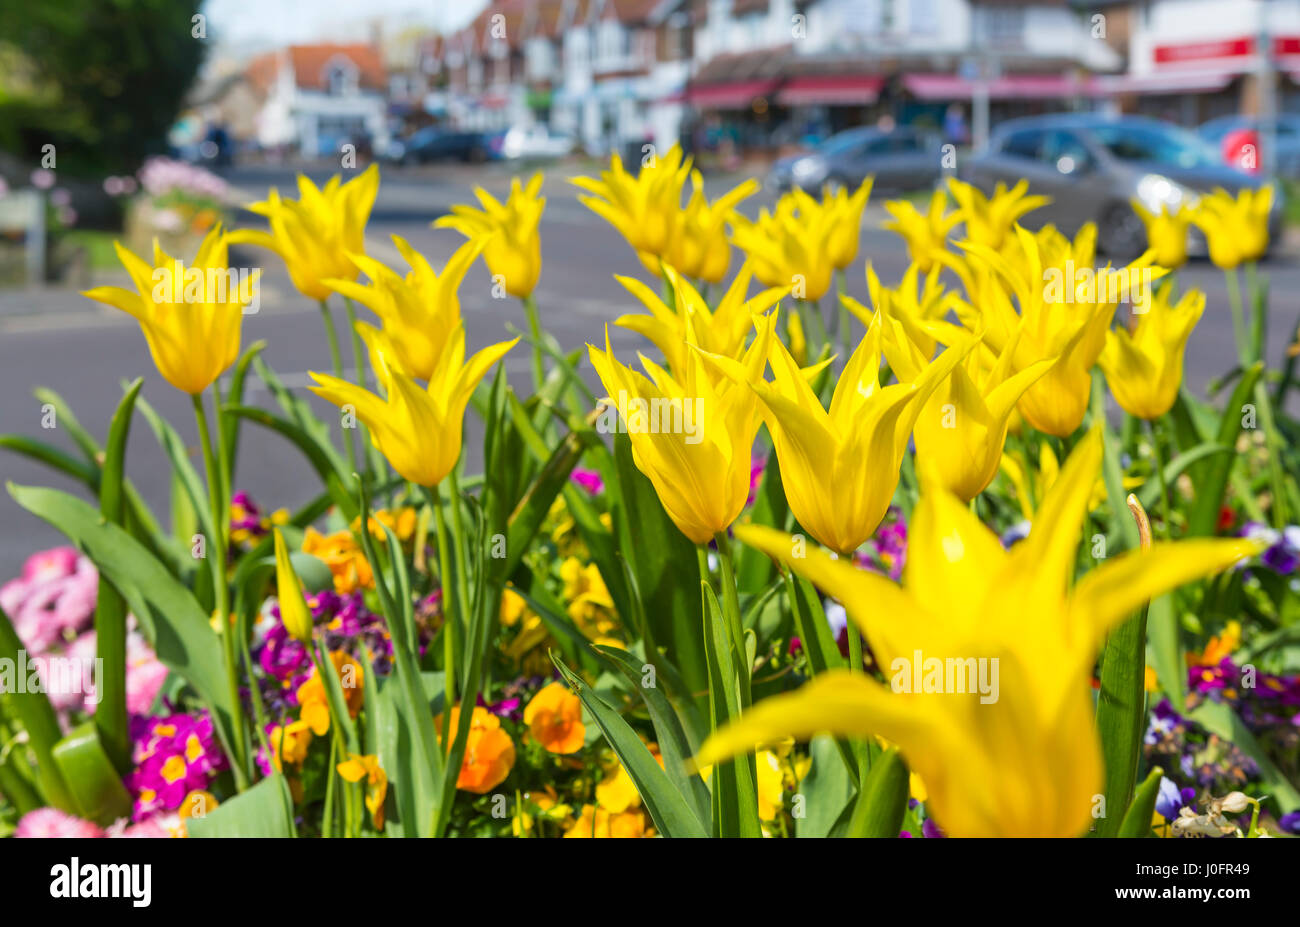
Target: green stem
<point>1259,314</point>
<point>731,608</point>
<point>535,332</point>
<point>221,587</point>
<point>1238,317</point>
<point>1158,457</point>
<point>337,358</point>
<point>449,617</point>
<point>458,550</point>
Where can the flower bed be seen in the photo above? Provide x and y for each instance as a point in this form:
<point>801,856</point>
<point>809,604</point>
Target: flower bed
<point>901,577</point>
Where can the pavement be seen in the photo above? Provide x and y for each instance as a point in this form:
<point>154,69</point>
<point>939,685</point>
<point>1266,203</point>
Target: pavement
<point>57,339</point>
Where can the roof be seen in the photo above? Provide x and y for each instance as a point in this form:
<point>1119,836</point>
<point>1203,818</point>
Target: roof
<point>311,65</point>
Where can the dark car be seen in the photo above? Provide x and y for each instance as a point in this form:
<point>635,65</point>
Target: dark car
<point>437,144</point>
<point>1093,166</point>
<point>900,159</point>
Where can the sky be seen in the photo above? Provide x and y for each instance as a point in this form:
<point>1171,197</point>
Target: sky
<point>259,24</point>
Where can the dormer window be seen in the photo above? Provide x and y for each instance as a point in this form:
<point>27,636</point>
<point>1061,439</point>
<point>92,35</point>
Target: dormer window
<point>341,77</point>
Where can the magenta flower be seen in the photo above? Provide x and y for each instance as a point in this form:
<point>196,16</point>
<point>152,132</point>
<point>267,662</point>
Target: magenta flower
<point>589,480</point>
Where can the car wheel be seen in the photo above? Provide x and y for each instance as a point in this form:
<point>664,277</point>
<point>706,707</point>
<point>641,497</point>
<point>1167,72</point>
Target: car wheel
<point>1121,233</point>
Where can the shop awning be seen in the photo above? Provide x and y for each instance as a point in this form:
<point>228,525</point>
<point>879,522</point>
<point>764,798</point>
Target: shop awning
<point>1008,87</point>
<point>830,90</point>
<point>1177,82</point>
<point>733,95</point>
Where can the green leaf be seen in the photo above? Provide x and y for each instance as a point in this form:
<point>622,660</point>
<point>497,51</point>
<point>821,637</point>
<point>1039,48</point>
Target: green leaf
<point>1213,474</point>
<point>1137,819</point>
<point>97,790</point>
<point>322,456</point>
<point>642,525</point>
<point>882,802</point>
<point>37,717</point>
<point>735,792</point>
<point>670,809</point>
<point>827,789</point>
<point>674,745</point>
<point>235,396</point>
<point>110,609</point>
<point>172,621</point>
<point>182,470</point>
<point>265,810</point>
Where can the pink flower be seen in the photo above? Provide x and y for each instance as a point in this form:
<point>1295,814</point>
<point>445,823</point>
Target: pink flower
<point>150,828</point>
<point>45,565</point>
<point>50,822</point>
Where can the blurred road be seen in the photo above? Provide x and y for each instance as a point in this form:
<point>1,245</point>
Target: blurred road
<point>83,352</point>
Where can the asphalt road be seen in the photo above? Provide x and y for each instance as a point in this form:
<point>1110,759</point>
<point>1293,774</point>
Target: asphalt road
<point>84,352</point>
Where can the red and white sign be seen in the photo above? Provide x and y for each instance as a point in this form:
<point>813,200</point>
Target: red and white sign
<point>1235,50</point>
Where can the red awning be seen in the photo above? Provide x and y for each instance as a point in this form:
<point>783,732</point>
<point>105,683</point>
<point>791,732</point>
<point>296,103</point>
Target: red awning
<point>831,90</point>
<point>1011,87</point>
<point>736,95</point>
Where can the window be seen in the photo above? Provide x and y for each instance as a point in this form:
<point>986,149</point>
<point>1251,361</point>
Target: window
<point>341,78</point>
<point>1024,144</point>
<point>1000,25</point>
<point>1065,151</point>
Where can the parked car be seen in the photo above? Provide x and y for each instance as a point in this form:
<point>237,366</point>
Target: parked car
<point>436,143</point>
<point>900,159</point>
<point>1287,138</point>
<point>535,142</point>
<point>1093,166</point>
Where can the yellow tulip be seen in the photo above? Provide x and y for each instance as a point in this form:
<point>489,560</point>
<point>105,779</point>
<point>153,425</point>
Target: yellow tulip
<point>961,429</point>
<point>840,468</point>
<point>509,231</point>
<point>798,340</point>
<point>1166,233</point>
<point>921,309</point>
<point>844,212</point>
<point>720,331</point>
<point>1065,309</point>
<point>419,311</point>
<point>691,437</point>
<point>643,208</point>
<point>1144,368</point>
<point>190,316</point>
<point>700,248</point>
<point>789,247</point>
<point>989,220</point>
<point>1031,485</point>
<point>926,234</point>
<point>1236,229</point>
<point>1019,758</point>
<point>294,613</point>
<point>317,234</point>
<point>419,430</point>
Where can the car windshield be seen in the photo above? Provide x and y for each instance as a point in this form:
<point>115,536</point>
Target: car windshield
<point>1156,145</point>
<point>844,142</point>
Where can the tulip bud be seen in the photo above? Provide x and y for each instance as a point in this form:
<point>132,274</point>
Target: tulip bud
<point>294,613</point>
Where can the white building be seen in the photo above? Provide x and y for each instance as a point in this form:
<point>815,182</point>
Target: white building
<point>315,98</point>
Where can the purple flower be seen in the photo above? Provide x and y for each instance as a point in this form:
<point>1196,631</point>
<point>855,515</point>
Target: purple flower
<point>931,829</point>
<point>1290,822</point>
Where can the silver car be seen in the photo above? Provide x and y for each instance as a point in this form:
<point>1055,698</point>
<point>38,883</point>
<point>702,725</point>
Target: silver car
<point>900,159</point>
<point>1093,166</point>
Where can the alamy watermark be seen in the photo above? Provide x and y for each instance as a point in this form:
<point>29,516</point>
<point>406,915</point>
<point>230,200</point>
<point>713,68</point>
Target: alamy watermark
<point>948,676</point>
<point>207,286</point>
<point>52,676</point>
<point>638,416</point>
<point>1086,285</point>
